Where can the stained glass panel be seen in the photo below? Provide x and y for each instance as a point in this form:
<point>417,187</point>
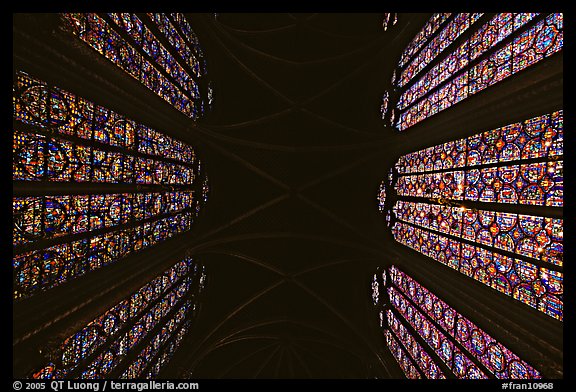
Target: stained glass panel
<point>375,290</point>
<point>497,359</point>
<point>458,362</point>
<point>418,354</point>
<point>143,56</point>
<point>110,128</point>
<point>459,75</point>
<point>384,106</point>
<point>536,237</point>
<point>517,278</point>
<point>60,137</point>
<point>401,356</point>
<point>535,183</point>
<point>99,347</point>
<point>452,30</point>
<point>489,35</point>
<point>423,36</point>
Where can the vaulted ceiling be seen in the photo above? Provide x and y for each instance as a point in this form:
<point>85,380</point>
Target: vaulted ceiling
<point>295,150</point>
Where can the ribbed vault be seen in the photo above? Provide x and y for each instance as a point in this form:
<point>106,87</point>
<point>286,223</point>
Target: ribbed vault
<point>289,282</point>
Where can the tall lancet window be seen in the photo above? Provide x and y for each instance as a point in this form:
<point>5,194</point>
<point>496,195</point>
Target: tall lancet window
<point>384,106</point>
<point>459,204</point>
<point>389,20</point>
<point>159,50</point>
<point>430,339</point>
<point>488,205</point>
<point>459,55</point>
<point>91,186</point>
<point>136,337</point>
<point>423,36</point>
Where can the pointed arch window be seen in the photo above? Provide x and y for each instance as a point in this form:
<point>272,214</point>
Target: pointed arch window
<point>108,186</point>
<point>389,20</point>
<point>423,36</point>
<point>159,50</point>
<point>375,290</point>
<point>383,196</point>
<point>149,324</point>
<point>470,53</point>
<point>453,29</point>
<point>489,206</point>
<point>430,339</point>
<point>385,103</point>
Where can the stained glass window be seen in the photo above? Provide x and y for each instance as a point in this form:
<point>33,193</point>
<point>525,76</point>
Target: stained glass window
<point>423,36</point>
<point>375,290</point>
<point>205,188</point>
<point>172,71</point>
<point>62,138</point>
<point>445,208</point>
<point>414,349</point>
<point>538,137</point>
<point>401,357</point>
<point>384,106</point>
<point>452,30</point>
<point>152,321</point>
<point>462,346</point>
<point>385,185</point>
<point>390,19</point>
<point>382,196</point>
<point>490,34</point>
<point>491,52</point>
<point>536,237</point>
